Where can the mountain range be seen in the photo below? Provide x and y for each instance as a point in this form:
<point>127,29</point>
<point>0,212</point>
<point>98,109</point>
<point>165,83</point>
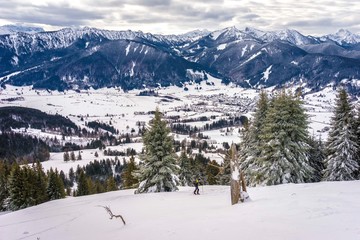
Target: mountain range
<point>88,57</point>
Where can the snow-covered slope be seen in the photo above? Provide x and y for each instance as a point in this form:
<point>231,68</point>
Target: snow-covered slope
<point>343,36</point>
<point>327,210</point>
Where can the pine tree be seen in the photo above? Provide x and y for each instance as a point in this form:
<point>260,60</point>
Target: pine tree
<point>111,184</point>
<point>72,156</point>
<point>158,171</point>
<point>79,157</point>
<point>40,184</point>
<point>55,188</point>
<point>16,187</point>
<point>129,181</point>
<point>341,162</point>
<point>185,173</point>
<point>66,157</point>
<point>4,188</point>
<point>316,158</point>
<point>83,186</point>
<point>251,144</point>
<point>284,148</point>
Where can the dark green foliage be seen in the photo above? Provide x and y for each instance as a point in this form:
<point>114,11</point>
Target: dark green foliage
<point>18,117</point>
<point>15,147</point>
<point>111,184</point>
<point>129,181</point>
<point>29,186</point>
<point>83,185</point>
<point>316,159</point>
<point>4,188</point>
<point>55,188</point>
<point>66,156</point>
<point>72,156</point>
<point>212,171</point>
<point>96,125</point>
<point>185,172</point>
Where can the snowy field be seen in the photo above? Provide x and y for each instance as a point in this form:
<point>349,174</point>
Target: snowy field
<point>327,210</point>
<point>125,110</point>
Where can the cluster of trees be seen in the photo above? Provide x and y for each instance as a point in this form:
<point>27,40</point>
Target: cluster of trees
<point>129,152</point>
<point>277,148</point>
<point>162,171</point>
<point>15,147</point>
<point>96,125</point>
<point>182,128</point>
<point>71,156</point>
<point>25,186</point>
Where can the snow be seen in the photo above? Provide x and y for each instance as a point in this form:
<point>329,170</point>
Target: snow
<point>266,73</point>
<point>127,49</point>
<point>243,51</point>
<point>133,64</point>
<point>327,210</point>
<point>252,57</point>
<point>221,47</point>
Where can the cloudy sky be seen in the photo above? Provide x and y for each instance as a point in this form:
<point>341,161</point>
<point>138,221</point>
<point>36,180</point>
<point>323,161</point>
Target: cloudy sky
<point>315,17</point>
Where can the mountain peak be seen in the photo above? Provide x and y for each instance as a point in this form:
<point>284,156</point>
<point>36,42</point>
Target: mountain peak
<point>12,29</point>
<point>343,36</point>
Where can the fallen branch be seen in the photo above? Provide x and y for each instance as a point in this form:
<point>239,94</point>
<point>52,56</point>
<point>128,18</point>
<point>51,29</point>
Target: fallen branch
<point>112,215</point>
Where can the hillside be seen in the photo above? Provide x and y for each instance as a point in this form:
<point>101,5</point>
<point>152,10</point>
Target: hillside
<point>94,58</point>
<point>327,210</point>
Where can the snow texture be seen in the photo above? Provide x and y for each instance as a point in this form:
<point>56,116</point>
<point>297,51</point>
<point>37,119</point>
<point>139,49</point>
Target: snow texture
<point>289,211</point>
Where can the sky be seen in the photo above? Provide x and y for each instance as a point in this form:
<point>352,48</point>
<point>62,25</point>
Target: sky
<point>310,17</point>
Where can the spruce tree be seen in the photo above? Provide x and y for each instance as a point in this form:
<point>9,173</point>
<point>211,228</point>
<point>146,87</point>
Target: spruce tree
<point>341,161</point>
<point>129,181</point>
<point>4,188</point>
<point>40,194</point>
<point>16,189</point>
<point>79,157</point>
<point>316,158</point>
<point>66,157</point>
<point>72,156</point>
<point>158,171</point>
<point>185,172</point>
<point>284,148</point>
<point>83,186</point>
<point>55,188</point>
<point>111,184</point>
<point>251,143</point>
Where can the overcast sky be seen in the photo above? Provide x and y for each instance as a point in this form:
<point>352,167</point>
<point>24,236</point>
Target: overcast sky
<point>316,17</point>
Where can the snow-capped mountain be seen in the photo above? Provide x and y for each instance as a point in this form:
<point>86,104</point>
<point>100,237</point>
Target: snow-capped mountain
<point>343,36</point>
<point>11,29</point>
<point>90,57</point>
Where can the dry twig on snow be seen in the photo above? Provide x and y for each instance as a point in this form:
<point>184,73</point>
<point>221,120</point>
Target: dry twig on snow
<point>112,215</point>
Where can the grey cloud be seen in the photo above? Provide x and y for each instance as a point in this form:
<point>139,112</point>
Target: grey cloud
<point>57,15</point>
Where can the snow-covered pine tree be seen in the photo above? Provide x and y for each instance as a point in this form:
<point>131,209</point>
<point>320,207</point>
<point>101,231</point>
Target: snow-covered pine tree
<point>158,171</point>
<point>316,158</point>
<point>341,162</point>
<point>284,148</point>
<point>185,173</point>
<point>251,143</point>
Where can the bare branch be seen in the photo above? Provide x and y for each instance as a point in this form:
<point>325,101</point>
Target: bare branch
<point>108,210</point>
